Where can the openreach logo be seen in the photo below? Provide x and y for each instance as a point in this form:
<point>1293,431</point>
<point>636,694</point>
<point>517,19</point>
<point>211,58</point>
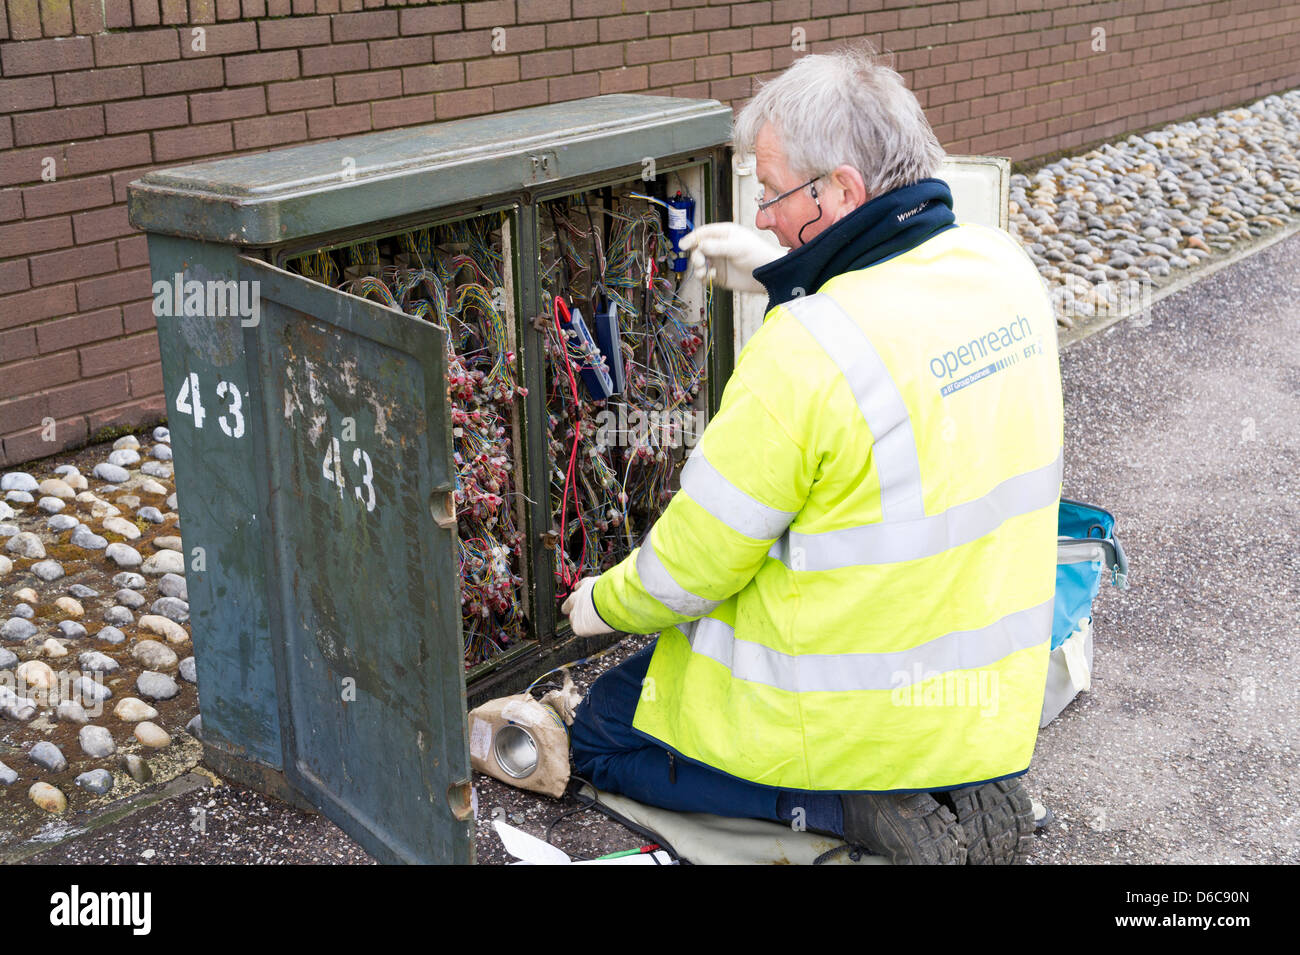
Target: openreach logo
<point>1001,347</point>
<point>177,298</point>
<point>77,908</point>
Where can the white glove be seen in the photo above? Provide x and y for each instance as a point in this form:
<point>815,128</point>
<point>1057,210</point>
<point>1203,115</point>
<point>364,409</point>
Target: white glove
<point>581,610</point>
<point>727,254</point>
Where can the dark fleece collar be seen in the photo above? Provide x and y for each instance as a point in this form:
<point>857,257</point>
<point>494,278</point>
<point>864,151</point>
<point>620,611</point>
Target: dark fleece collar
<point>891,223</point>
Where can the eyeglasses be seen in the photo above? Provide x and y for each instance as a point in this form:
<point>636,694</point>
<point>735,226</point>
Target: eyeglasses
<point>765,204</point>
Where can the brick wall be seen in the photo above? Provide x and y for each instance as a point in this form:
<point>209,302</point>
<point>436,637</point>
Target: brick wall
<point>95,92</point>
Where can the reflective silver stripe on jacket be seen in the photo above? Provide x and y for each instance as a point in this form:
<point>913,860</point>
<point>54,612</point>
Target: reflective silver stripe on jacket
<point>881,403</point>
<point>708,488</point>
<point>844,672</point>
<point>661,585</point>
<point>886,543</point>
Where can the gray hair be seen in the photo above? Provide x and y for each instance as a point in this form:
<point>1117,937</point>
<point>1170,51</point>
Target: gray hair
<point>843,107</point>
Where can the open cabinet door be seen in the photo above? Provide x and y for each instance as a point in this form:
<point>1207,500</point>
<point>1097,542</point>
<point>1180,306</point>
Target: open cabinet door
<point>364,563</point>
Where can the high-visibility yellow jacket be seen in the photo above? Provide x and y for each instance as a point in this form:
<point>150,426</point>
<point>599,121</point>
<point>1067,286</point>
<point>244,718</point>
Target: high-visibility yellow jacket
<point>855,581</point>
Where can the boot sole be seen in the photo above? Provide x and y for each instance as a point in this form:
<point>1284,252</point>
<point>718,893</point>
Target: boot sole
<point>998,819</point>
<point>914,830</point>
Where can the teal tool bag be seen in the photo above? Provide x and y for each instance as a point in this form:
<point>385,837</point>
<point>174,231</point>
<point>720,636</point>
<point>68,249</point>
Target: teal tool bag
<point>1086,550</point>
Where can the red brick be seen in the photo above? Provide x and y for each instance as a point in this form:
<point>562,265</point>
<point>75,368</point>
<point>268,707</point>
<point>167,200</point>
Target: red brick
<point>94,86</point>
<point>533,11</point>
<point>146,13</point>
<point>111,153</point>
<point>298,32</point>
<point>6,132</point>
<point>646,51</point>
<point>406,51</point>
<point>490,72</point>
<point>35,443</point>
<point>23,238</point>
<point>79,330</point>
<point>367,86</point>
<point>330,60</point>
<point>117,14</point>
<point>36,92</point>
<point>11,204</point>
<point>492,13</point>
<point>37,304</point>
<point>134,415</point>
<point>137,316</point>
<point>746,14</point>
<point>462,46</point>
<point>553,63</point>
<point>300,94</point>
<point>155,113</point>
<point>270,131</point>
<point>210,140</point>
<point>614,29</point>
<point>87,16</point>
<point>338,121</point>
<point>132,251</point>
<point>59,125</point>
<point>116,355</point>
<point>57,55</point>
<point>439,19</point>
<point>364,26</point>
<point>16,345</point>
<point>203,11</point>
<point>73,263</point>
<point>13,276</point>
<point>124,178</point>
<point>112,289</point>
<point>182,77</point>
<point>99,224</point>
<point>261,67</point>
<point>597,8</point>
<point>174,12</point>
<point>523,39</point>
<point>519,95</point>
<point>572,33</point>
<point>628,79</point>
<point>406,111</point>
<point>254,9</point>
<point>29,165</point>
<point>563,88</point>
<point>67,196</point>
<point>95,393</point>
<point>25,377</point>
<point>25,19</point>
<point>149,46</point>
<point>435,78</point>
<point>229,10</point>
<point>147,380</point>
<point>464,103</point>
<point>222,39</point>
<point>228,104</point>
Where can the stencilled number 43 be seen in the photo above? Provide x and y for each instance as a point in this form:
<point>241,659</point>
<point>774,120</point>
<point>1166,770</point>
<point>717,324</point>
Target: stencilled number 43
<point>332,470</point>
<point>190,402</point>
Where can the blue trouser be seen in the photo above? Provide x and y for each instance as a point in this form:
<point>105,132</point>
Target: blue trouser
<point>615,758</point>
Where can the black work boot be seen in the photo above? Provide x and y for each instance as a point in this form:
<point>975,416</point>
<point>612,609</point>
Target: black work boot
<point>998,819</point>
<point>906,828</point>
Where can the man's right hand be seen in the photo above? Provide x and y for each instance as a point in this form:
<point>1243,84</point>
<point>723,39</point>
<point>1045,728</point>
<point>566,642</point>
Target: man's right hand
<point>727,254</point>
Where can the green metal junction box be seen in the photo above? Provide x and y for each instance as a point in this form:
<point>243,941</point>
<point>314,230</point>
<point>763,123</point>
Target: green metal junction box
<point>342,602</point>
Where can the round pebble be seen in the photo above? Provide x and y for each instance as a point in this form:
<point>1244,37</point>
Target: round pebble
<point>154,655</point>
<point>111,473</point>
<point>129,580</point>
<point>152,735</point>
<point>132,710</point>
<point>92,661</point>
<point>97,781</point>
<point>17,630</point>
<point>51,505</point>
<point>187,670</point>
<point>8,658</point>
<point>35,674</point>
<point>156,469</point>
<point>19,497</point>
<point>54,649</point>
<point>24,611</point>
<point>137,768</point>
<point>26,544</point>
<point>156,686</point>
<point>165,562</point>
<point>89,691</point>
<point>151,514</point>
<point>48,570</point>
<point>119,616</point>
<point>129,599</point>
<point>110,635</point>
<point>48,797</point>
<point>127,441</point>
<point>81,591</point>
<point>173,585</point>
<point>70,711</point>
<point>121,527</point>
<point>7,776</point>
<point>162,452</point>
<point>170,629</point>
<point>96,741</point>
<point>48,756</point>
<point>72,630</point>
<point>125,458</point>
<point>56,487</point>
<point>124,555</point>
<point>18,481</point>
<point>162,434</point>
<point>70,606</point>
<point>173,608</point>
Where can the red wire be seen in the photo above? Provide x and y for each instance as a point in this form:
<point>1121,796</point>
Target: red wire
<point>573,454</point>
